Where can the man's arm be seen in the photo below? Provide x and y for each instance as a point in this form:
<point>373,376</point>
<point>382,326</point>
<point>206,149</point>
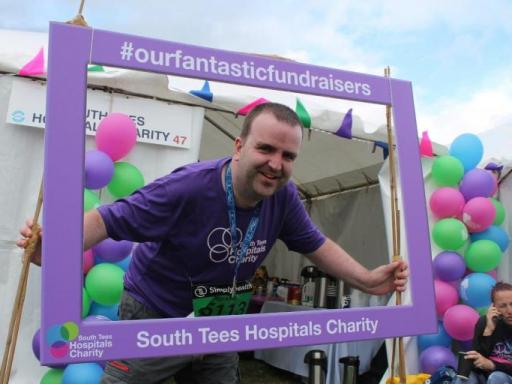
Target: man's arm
<point>94,229</point>
<point>334,260</point>
<point>94,232</point>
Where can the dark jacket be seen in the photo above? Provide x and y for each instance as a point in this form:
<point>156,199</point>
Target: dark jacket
<point>499,344</point>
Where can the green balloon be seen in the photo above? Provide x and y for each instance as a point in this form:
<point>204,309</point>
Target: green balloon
<point>52,376</point>
<point>104,283</point>
<point>86,303</point>
<point>482,310</point>
<point>447,171</point>
<point>449,234</point>
<point>91,201</point>
<point>126,180</point>
<point>483,256</point>
<point>500,212</point>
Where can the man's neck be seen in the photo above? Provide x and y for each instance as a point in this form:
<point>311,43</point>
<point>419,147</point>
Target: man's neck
<point>240,200</point>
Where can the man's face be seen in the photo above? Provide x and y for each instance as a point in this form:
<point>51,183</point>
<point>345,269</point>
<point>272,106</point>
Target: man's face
<point>503,303</point>
<point>265,158</point>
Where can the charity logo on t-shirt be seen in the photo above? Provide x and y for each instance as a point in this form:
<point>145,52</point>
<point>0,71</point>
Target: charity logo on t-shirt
<point>219,245</point>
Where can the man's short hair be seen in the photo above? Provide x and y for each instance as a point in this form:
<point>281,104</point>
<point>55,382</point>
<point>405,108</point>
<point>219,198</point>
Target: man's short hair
<point>281,112</point>
<point>499,287</point>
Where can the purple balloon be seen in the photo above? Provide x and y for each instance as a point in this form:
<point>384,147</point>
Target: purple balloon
<point>36,346</point>
<point>99,169</point>
<point>112,251</point>
<point>449,266</point>
<point>435,357</point>
<point>477,183</point>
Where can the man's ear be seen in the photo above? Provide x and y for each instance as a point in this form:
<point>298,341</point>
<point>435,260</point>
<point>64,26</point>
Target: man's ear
<point>238,148</point>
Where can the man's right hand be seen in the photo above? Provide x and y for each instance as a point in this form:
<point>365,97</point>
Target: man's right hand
<point>27,233</point>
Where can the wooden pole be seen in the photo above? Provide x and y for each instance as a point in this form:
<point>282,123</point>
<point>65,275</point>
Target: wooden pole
<point>14,325</point>
<point>395,224</point>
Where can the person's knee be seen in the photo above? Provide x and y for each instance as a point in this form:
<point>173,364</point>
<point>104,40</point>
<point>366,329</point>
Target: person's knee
<point>498,377</point>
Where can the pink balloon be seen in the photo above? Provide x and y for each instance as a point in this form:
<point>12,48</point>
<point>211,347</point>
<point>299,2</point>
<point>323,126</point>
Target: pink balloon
<point>88,260</point>
<point>459,322</point>
<point>493,274</point>
<point>116,135</point>
<point>446,202</point>
<point>446,296</point>
<point>478,214</point>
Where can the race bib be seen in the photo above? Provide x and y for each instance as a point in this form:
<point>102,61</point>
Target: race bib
<point>218,300</point>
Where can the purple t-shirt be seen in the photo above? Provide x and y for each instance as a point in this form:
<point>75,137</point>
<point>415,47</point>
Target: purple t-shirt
<point>182,222</point>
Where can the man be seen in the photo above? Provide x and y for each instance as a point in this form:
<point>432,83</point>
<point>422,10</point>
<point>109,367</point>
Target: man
<point>492,342</point>
<point>213,223</point>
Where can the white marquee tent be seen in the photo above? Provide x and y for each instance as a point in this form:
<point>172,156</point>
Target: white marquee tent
<point>338,178</point>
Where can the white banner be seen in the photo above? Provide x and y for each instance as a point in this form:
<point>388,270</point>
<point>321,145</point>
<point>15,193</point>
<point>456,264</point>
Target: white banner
<point>157,122</point>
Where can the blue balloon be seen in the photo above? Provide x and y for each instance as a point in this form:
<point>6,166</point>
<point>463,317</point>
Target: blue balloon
<point>475,289</point>
<point>82,373</point>
<point>493,233</point>
<point>440,338</point>
<point>125,263</point>
<point>109,311</point>
<point>468,149</point>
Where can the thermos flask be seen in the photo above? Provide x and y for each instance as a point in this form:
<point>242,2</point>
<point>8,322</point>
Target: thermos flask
<point>350,369</point>
<point>317,364</point>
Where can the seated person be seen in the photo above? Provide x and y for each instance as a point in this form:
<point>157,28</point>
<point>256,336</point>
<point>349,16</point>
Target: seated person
<point>492,342</point>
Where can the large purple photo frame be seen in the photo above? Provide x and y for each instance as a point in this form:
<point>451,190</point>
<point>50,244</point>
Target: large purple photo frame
<point>63,333</point>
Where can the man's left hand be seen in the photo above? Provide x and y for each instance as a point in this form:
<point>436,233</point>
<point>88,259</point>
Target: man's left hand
<point>388,278</point>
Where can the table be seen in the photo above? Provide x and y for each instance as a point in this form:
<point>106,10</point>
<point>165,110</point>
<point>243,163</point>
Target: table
<point>292,358</point>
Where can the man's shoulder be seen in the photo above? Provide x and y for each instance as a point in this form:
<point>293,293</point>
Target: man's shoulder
<point>197,172</point>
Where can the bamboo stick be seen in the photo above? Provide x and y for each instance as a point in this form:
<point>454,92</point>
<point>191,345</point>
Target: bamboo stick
<point>14,325</point>
<point>395,224</point>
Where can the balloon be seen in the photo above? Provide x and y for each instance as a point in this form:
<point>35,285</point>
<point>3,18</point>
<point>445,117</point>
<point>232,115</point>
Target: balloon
<point>475,289</point>
<point>98,169</point>
<point>82,373</point>
<point>116,135</point>
<point>500,212</point>
<point>52,376</point>
<point>90,200</point>
<point>493,233</point>
<point>440,338</point>
<point>483,256</point>
<point>36,344</point>
<point>446,297</point>
<point>450,234</point>
<point>459,322</point>
<point>104,283</point>
<point>449,266</point>
<point>112,251</point>
<point>88,261</point>
<point>447,171</point>
<point>468,149</point>
<point>446,202</point>
<point>126,180</point>
<point>478,214</point>
<point>477,183</point>
<point>125,263</point>
<point>109,311</point>
<point>86,303</point>
<point>435,357</point>
<point>493,274</point>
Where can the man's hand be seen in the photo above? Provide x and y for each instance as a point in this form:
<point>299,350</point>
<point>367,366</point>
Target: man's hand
<point>388,278</point>
<point>27,233</point>
<point>480,361</point>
